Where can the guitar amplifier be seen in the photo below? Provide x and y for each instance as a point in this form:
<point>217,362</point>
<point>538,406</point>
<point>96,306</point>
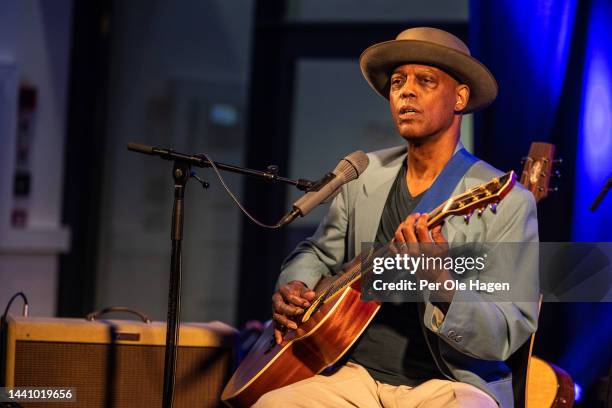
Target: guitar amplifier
<point>117,363</point>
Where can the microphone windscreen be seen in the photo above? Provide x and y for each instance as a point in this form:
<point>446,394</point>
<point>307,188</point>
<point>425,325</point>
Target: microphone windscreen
<point>352,165</point>
<point>347,169</point>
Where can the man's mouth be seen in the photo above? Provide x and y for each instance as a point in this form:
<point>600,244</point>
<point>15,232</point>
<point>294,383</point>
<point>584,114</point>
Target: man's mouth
<point>407,112</point>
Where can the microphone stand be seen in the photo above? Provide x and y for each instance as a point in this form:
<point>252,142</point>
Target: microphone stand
<point>181,172</point>
<point>601,194</point>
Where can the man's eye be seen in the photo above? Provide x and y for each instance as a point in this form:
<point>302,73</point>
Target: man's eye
<point>396,81</point>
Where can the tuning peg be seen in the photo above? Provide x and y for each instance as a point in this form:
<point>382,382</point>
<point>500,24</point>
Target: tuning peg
<point>466,218</point>
<point>494,208</point>
<point>479,212</point>
<point>556,174</point>
<point>558,161</point>
<point>553,189</point>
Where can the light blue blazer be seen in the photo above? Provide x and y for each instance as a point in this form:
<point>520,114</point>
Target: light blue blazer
<point>480,330</point>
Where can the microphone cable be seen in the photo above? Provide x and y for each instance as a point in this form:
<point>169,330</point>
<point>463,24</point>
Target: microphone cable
<point>236,200</point>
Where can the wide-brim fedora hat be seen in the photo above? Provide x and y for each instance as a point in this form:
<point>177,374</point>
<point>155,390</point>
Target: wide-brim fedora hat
<point>434,47</point>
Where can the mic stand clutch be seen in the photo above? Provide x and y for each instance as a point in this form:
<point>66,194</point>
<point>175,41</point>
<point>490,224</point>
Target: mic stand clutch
<point>181,172</point>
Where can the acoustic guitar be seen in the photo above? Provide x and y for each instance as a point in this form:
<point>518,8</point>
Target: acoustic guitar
<point>337,316</point>
<point>548,386</point>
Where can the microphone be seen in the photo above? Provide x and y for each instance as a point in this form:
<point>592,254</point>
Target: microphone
<point>348,169</point>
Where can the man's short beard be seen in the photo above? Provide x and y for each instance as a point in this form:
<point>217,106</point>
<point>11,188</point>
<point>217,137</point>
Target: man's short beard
<point>418,140</point>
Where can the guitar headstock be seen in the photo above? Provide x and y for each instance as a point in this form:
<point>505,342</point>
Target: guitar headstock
<point>476,199</point>
<point>537,169</point>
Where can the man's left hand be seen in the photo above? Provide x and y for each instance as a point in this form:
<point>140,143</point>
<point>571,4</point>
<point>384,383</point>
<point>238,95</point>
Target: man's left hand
<point>417,238</point>
<point>414,230</point>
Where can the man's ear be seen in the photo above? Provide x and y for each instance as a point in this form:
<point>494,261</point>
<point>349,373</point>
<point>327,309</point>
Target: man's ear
<point>462,97</point>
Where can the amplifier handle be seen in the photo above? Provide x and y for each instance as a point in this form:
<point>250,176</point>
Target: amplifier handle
<point>96,314</point>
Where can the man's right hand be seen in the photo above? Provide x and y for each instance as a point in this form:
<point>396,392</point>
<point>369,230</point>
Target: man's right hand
<point>289,301</point>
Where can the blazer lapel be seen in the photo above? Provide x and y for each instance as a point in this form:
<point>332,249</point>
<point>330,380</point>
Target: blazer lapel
<point>371,202</point>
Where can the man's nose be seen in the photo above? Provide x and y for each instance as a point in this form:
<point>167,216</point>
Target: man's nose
<point>409,89</point>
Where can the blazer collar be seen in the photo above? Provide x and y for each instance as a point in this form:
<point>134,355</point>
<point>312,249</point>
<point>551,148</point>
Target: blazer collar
<point>389,167</point>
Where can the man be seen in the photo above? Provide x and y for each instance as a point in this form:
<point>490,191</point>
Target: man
<point>444,353</point>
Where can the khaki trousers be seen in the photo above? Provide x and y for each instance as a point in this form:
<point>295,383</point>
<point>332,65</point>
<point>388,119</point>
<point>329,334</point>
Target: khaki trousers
<point>352,386</point>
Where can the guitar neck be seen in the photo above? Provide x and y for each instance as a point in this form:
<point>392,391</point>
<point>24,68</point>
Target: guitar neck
<point>465,204</point>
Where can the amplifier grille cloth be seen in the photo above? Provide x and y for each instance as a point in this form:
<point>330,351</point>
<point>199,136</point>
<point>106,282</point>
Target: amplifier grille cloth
<point>122,375</point>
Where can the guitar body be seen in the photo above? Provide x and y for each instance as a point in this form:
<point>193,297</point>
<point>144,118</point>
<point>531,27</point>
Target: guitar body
<point>317,343</point>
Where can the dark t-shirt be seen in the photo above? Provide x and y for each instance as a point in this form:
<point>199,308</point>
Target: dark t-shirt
<point>393,347</point>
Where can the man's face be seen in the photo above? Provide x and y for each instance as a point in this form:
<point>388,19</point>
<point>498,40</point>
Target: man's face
<point>424,100</point>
